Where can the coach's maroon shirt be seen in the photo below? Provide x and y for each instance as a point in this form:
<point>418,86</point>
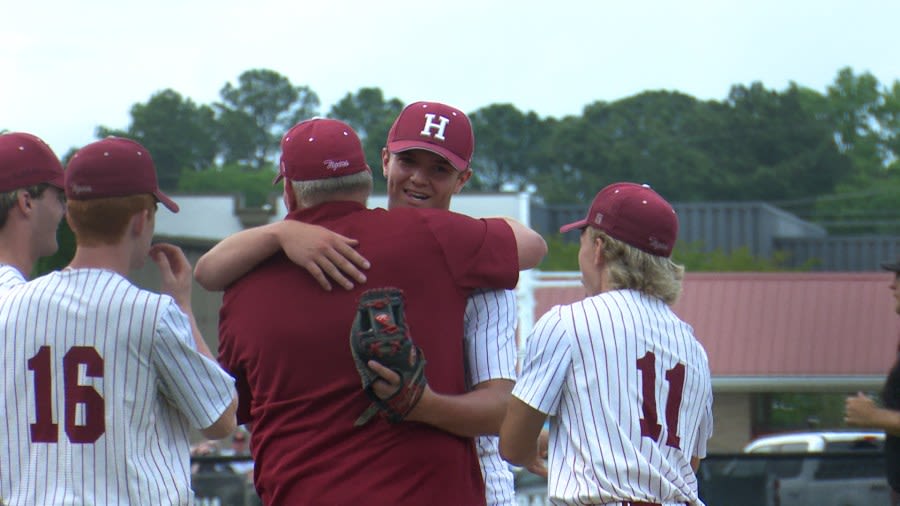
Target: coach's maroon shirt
<point>287,343</point>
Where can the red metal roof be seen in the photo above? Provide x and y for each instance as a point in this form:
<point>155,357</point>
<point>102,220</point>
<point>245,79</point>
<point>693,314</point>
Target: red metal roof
<point>783,324</point>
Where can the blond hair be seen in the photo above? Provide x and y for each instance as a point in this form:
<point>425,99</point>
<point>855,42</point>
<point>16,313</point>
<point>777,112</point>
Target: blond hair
<point>630,268</point>
<point>103,221</point>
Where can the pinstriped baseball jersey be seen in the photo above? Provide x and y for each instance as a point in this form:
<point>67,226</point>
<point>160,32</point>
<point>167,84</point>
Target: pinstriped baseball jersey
<point>628,391</point>
<point>490,346</point>
<point>10,277</point>
<point>102,384</point>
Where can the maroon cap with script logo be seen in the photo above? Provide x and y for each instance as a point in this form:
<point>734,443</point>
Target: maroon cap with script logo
<point>320,148</point>
<point>113,167</point>
<point>635,215</point>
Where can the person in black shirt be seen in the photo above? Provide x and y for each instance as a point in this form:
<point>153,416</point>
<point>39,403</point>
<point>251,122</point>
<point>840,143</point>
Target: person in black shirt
<point>861,410</point>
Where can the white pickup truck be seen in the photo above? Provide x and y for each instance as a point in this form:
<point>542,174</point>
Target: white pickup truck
<point>838,481</point>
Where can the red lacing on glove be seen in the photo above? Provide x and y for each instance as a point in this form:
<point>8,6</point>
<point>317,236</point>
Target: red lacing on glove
<point>386,322</point>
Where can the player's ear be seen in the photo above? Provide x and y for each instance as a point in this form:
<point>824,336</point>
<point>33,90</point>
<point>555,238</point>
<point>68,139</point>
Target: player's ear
<point>598,251</point>
<point>139,220</point>
<point>385,158</point>
<point>24,201</point>
<point>463,178</point>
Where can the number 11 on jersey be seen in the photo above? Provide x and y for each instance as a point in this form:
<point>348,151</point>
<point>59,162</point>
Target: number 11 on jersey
<point>650,426</point>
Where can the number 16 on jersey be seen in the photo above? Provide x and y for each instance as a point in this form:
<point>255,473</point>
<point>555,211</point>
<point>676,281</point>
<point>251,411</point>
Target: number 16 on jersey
<point>44,430</point>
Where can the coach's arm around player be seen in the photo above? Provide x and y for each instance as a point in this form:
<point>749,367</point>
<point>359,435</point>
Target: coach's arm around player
<point>175,273</point>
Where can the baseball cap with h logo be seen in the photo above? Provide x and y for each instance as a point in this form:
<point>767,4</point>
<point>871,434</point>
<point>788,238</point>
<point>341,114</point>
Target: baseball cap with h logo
<point>435,127</point>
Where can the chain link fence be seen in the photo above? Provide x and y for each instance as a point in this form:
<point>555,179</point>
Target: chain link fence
<point>786,479</point>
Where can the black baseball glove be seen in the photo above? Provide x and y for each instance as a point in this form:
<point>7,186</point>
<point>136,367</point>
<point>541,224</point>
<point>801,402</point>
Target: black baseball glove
<point>380,333</point>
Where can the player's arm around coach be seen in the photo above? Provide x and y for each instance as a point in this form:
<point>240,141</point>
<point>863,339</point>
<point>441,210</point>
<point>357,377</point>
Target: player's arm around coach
<point>325,254</point>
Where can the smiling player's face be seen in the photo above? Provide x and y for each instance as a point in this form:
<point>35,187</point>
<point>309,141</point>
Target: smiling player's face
<point>419,178</point>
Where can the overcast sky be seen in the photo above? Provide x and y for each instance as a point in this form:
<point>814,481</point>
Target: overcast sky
<point>68,66</point>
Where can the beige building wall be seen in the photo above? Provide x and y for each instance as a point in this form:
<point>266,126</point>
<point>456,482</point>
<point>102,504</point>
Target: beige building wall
<point>731,422</point>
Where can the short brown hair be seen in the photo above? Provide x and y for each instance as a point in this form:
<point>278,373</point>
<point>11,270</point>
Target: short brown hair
<point>103,221</point>
<point>8,199</point>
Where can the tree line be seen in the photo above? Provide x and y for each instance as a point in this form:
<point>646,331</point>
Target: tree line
<point>831,157</point>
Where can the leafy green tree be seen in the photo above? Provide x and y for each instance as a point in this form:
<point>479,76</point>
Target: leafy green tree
<point>506,145</point>
<point>810,152</point>
<point>888,115</point>
<point>695,259</point>
<point>371,116</point>
<point>663,139</point>
<point>367,112</point>
<point>865,120</point>
<point>659,138</point>
<point>853,105</point>
<point>254,185</point>
<point>239,138</point>
<point>254,114</point>
<point>562,255</point>
<point>757,145</point>
<point>862,206</point>
<point>573,161</point>
<point>179,134</point>
<point>777,149</point>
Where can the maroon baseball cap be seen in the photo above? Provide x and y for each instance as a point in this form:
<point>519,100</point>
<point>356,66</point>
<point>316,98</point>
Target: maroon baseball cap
<point>113,167</point>
<point>635,215</point>
<point>26,160</point>
<point>432,126</point>
<point>320,148</point>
